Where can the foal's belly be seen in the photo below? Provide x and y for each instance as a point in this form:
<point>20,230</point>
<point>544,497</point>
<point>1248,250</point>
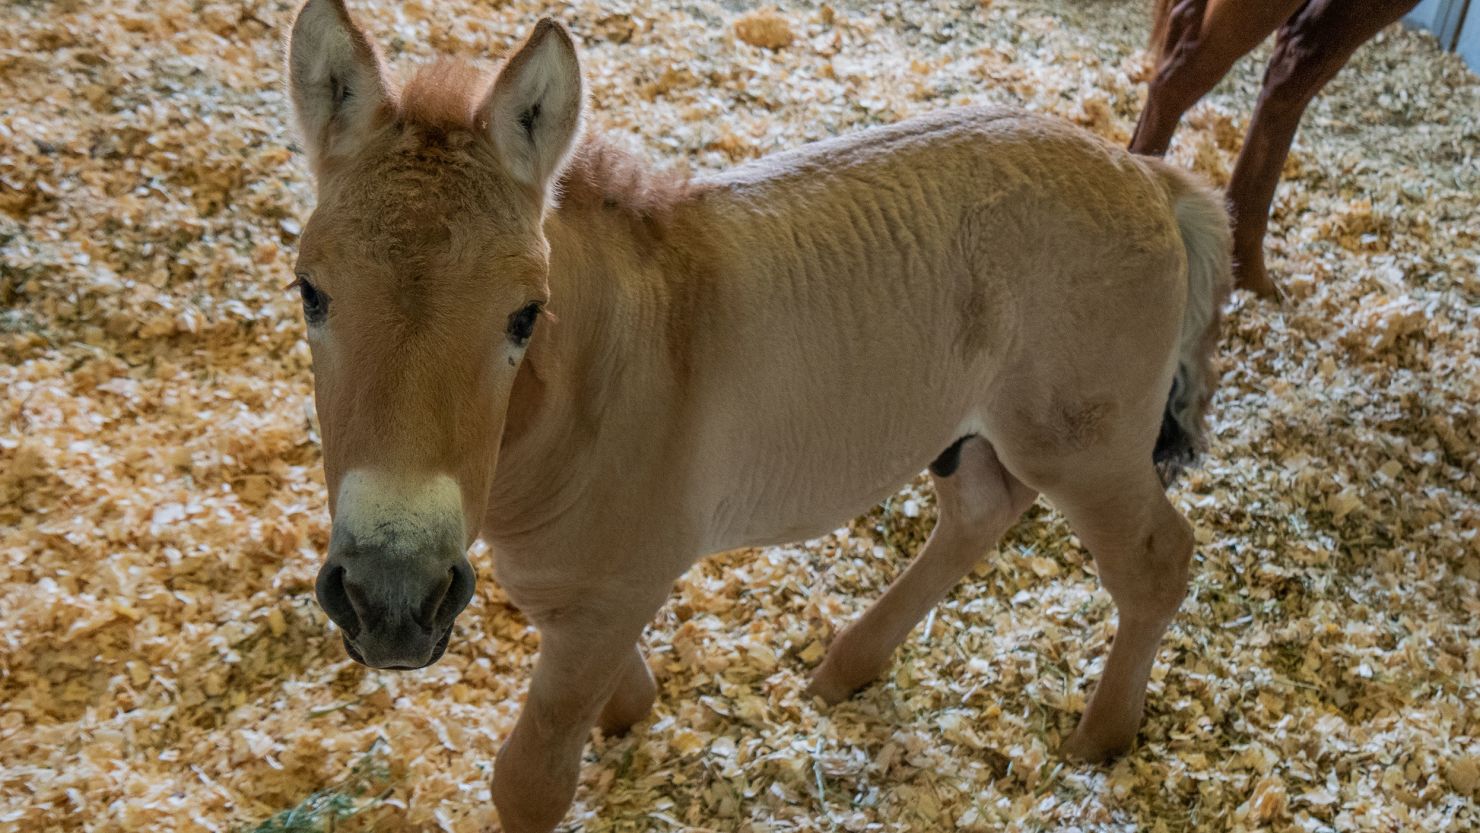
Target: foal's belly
<point>805,455</point>
<point>778,522</point>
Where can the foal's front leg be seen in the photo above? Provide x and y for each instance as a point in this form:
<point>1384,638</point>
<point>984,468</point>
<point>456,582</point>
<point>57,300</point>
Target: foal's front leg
<point>588,648</point>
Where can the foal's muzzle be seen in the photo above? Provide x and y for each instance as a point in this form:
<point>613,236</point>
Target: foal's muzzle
<point>396,610</point>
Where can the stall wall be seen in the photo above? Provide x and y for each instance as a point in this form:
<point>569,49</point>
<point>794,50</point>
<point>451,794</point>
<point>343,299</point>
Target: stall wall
<point>1453,23</point>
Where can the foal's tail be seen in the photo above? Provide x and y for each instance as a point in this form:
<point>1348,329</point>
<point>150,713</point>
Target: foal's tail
<point>1202,220</point>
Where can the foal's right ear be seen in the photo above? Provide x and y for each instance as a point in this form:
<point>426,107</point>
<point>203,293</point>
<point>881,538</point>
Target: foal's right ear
<point>336,80</point>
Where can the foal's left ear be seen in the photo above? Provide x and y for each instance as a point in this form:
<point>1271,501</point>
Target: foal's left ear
<point>534,108</point>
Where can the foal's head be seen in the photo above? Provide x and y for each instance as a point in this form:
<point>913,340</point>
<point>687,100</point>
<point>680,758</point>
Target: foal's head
<point>423,274</point>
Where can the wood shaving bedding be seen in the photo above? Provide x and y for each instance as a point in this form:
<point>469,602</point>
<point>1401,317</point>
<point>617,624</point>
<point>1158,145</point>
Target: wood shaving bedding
<point>164,666</point>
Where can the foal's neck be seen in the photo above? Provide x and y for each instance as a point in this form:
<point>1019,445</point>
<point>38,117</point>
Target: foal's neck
<point>604,368</point>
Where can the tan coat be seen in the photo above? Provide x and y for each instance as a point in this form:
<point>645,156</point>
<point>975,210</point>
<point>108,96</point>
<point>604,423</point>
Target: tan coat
<point>744,359</point>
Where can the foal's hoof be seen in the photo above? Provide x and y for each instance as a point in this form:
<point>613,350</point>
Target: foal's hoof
<point>622,713</point>
<point>617,727</point>
<point>851,663</point>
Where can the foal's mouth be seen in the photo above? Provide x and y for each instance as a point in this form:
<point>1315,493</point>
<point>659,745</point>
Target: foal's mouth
<point>437,651</point>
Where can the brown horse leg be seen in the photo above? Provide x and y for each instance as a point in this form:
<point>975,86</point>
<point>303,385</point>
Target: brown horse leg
<point>1201,43</point>
<point>977,502</point>
<point>1142,547</point>
<point>586,651</point>
<point>633,697</point>
<point>1309,50</point>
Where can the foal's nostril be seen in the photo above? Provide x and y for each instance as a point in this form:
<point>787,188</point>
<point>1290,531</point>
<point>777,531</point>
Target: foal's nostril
<point>427,616</point>
<point>459,592</point>
<point>333,597</point>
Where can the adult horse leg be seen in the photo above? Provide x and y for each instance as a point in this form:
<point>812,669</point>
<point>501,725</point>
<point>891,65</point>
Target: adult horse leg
<point>1309,50</point>
<point>587,650</point>
<point>978,501</point>
<point>1196,44</point>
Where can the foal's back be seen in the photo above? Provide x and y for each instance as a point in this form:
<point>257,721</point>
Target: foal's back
<point>884,293</point>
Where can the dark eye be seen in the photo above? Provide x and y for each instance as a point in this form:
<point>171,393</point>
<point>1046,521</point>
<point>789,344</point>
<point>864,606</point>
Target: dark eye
<point>315,303</point>
<point>521,323</point>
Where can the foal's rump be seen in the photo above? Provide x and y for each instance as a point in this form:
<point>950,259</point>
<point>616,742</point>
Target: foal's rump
<point>1119,265</point>
<point>1202,222</point>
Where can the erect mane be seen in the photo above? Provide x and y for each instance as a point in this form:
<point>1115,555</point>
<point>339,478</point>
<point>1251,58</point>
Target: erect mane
<point>445,95</point>
<point>601,174</point>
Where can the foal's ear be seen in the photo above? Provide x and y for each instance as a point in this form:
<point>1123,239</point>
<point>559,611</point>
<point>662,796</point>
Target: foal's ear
<point>335,78</point>
<point>534,107</point>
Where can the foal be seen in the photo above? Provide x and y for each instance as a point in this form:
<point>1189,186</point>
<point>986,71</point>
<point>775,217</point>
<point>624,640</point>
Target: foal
<point>1197,41</point>
<point>741,360</point>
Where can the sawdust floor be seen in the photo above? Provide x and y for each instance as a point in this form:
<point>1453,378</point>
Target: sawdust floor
<point>163,664</point>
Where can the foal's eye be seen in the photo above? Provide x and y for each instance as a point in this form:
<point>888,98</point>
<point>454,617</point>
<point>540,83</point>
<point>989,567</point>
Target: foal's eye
<point>315,303</point>
<point>521,323</point>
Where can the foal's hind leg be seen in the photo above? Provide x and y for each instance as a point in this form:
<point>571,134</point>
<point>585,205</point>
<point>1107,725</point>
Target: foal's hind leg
<point>633,697</point>
<point>1142,547</point>
<point>977,502</point>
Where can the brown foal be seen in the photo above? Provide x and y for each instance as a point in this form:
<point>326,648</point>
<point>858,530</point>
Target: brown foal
<point>1197,41</point>
<point>746,358</point>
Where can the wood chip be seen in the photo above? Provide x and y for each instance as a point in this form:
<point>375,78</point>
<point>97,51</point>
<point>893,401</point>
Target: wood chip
<point>165,667</point>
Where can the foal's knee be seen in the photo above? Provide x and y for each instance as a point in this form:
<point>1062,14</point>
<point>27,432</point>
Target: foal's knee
<point>1171,548</point>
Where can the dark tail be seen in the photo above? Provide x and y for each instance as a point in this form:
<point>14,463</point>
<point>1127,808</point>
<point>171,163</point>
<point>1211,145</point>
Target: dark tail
<point>1202,220</point>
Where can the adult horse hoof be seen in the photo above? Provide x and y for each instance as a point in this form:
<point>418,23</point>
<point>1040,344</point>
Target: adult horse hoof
<point>1253,277</point>
<point>1084,748</point>
<point>833,685</point>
